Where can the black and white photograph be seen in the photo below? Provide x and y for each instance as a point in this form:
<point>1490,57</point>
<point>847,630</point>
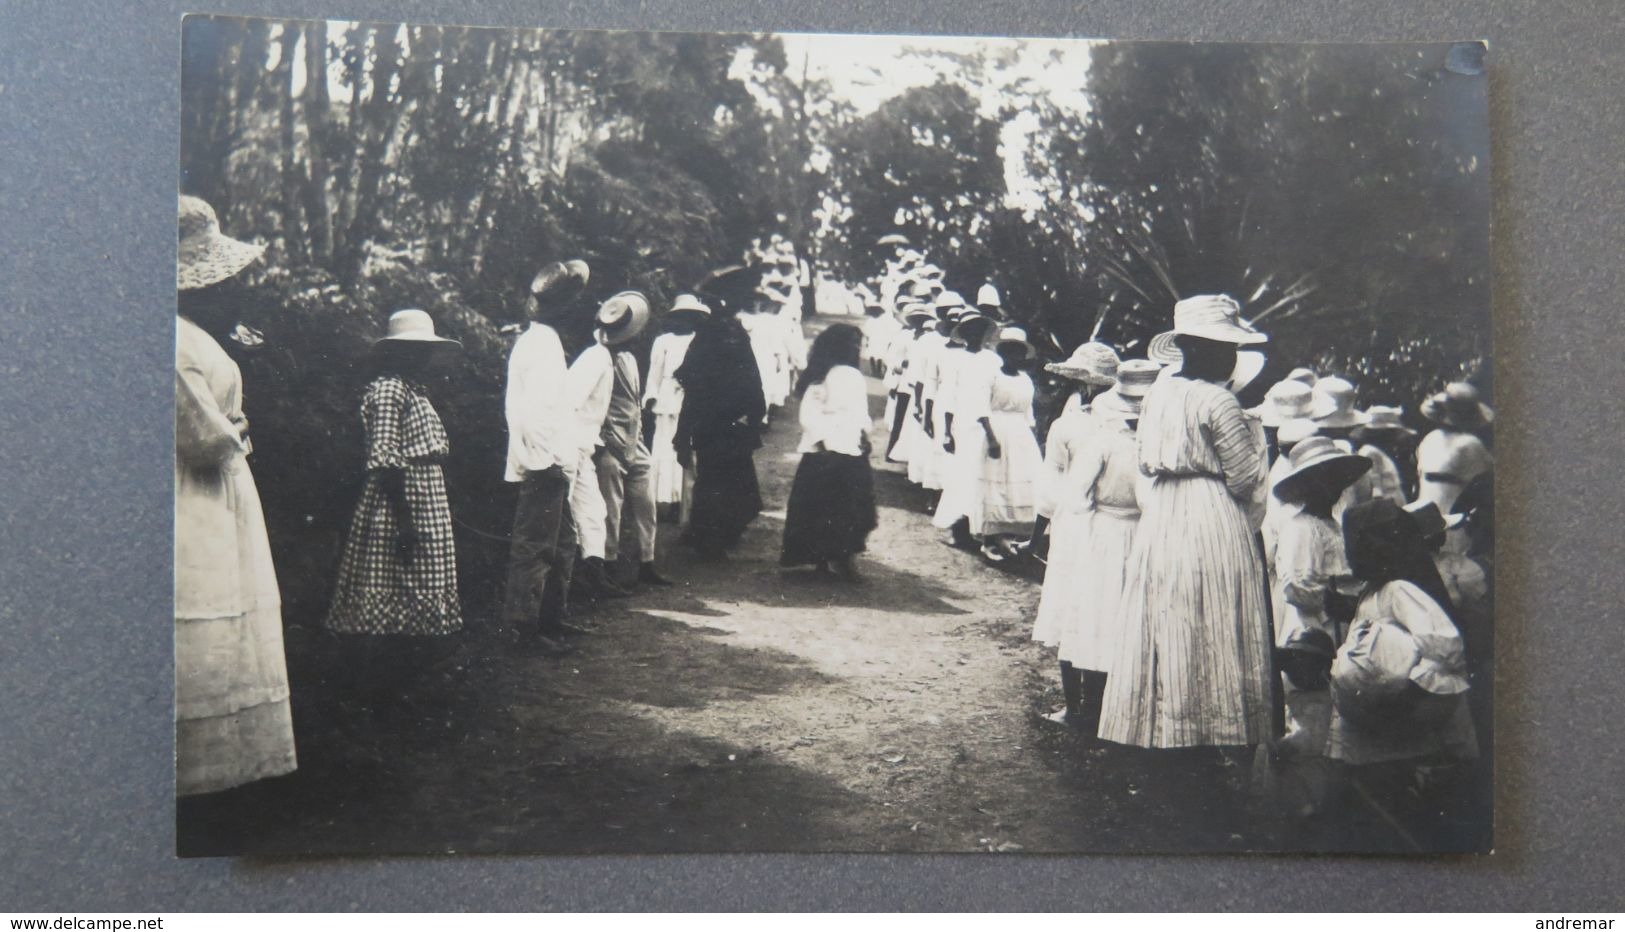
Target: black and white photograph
<point>654,442</point>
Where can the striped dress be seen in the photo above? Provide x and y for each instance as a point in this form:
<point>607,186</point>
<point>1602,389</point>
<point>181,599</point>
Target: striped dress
<point>1194,664</point>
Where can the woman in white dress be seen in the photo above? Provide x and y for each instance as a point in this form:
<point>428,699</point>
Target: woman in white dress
<point>964,399</point>
<point>1010,463</point>
<point>1195,662</point>
<point>1095,521</point>
<point>663,402</point>
<point>1093,367</point>
<point>1454,454</point>
<point>233,724</point>
<point>925,367</point>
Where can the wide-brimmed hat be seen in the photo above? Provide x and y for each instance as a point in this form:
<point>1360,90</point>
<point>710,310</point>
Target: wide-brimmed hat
<point>412,326</point>
<point>688,304</point>
<point>1163,351</point>
<point>203,254</point>
<point>558,283</point>
<point>1286,399</point>
<point>1092,363</point>
<point>1305,375</point>
<point>1114,405</point>
<point>733,288</point>
<point>968,319</point>
<point>1135,378</point>
<point>1212,317</point>
<point>1334,403</point>
<point>1015,336</point>
<point>1249,365</point>
<point>622,317</point>
<point>1458,406</point>
<point>1430,520</point>
<point>1320,459</point>
<point>988,296</point>
<point>1382,419</point>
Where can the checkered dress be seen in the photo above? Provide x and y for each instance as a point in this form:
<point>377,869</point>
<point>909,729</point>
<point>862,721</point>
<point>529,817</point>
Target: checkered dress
<point>377,593</point>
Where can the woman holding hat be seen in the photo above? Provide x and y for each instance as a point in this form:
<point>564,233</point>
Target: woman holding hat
<point>663,401</point>
<point>1010,463</point>
<point>1092,367</point>
<point>1093,536</point>
<point>832,499</point>
<point>232,719</point>
<point>1194,668</point>
<point>398,574</point>
<point>1453,454</point>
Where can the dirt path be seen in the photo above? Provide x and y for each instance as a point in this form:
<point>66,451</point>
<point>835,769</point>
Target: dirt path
<point>747,709</point>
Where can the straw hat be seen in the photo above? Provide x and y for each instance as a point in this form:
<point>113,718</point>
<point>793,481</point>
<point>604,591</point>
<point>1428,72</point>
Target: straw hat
<point>687,303</point>
<point>1135,378</point>
<point>988,296</point>
<point>1380,418</point>
<point>412,326</point>
<point>622,317</point>
<point>203,254</point>
<point>1320,459</point>
<point>558,283</point>
<point>1430,521</point>
<point>1092,364</point>
<point>1015,336</point>
<point>1249,363</point>
<point>1458,406</point>
<point>1248,366</point>
<point>1286,399</point>
<point>1334,404</point>
<point>1212,317</point>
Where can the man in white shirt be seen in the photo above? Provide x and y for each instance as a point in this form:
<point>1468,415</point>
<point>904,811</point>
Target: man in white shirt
<point>543,454</point>
<point>588,388</point>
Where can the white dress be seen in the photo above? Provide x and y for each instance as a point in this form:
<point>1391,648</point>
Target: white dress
<point>666,474</point>
<point>922,371</point>
<point>1446,460</point>
<point>1009,484</point>
<point>1096,513</point>
<point>232,718</point>
<point>1195,663</point>
<point>966,392</point>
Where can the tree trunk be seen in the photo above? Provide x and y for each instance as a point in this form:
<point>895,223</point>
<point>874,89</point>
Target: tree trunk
<point>318,210</point>
<point>375,129</point>
<point>293,235</point>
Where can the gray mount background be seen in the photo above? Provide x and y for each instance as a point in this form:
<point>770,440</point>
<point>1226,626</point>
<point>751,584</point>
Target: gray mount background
<point>88,138</point>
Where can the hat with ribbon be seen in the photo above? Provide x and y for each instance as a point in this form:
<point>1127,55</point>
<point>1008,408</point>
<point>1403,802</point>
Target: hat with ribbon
<point>1214,317</point>
<point>622,317</point>
<point>1458,406</point>
<point>917,312</point>
<point>949,300</point>
<point>1286,399</point>
<point>412,326</point>
<point>203,254</point>
<point>1320,459</point>
<point>1334,403</point>
<point>688,304</point>
<point>1135,378</point>
<point>1092,363</point>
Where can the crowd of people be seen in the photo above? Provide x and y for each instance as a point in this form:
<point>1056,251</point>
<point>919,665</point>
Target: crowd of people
<point>1301,576</point>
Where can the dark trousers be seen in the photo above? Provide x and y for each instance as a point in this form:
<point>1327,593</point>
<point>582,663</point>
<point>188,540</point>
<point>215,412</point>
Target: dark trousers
<point>543,552</point>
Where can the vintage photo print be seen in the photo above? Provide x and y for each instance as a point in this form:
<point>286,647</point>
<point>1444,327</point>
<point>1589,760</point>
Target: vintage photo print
<point>653,442</point>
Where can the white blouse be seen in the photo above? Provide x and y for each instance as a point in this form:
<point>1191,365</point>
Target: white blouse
<point>835,413</point>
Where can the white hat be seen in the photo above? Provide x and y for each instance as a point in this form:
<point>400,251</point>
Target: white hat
<point>1214,317</point>
<point>1334,404</point>
<point>1015,336</point>
<point>622,317</point>
<point>412,326</point>
<point>1286,400</point>
<point>1135,378</point>
<point>988,296</point>
<point>1092,363</point>
<point>687,302</point>
<point>204,255</point>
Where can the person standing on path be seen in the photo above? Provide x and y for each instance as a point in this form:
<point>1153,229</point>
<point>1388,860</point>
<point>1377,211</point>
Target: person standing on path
<point>542,457</point>
<point>1007,497</point>
<point>589,385</point>
<point>965,402</point>
<point>1454,453</point>
<point>900,385</point>
<point>720,425</point>
<point>623,458</point>
<point>233,722</point>
<point>1093,368</point>
<point>663,402</point>
<point>1194,666</point>
<point>832,499</point>
<point>396,596</point>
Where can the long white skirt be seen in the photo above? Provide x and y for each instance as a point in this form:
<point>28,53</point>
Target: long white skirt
<point>961,477</point>
<point>1008,497</point>
<point>1194,662</point>
<point>666,473</point>
<point>1078,613</point>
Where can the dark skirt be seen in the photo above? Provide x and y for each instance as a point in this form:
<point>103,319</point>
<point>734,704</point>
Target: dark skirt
<point>726,497</point>
<point>831,511</point>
